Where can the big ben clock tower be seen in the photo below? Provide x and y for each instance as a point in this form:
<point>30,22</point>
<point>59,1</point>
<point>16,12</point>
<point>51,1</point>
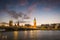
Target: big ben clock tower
<point>34,22</point>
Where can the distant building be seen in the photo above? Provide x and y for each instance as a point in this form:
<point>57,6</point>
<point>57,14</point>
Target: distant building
<point>10,23</point>
<point>34,22</point>
<point>45,25</point>
<point>27,25</point>
<point>18,23</point>
<point>55,25</point>
<point>59,25</point>
<point>15,24</point>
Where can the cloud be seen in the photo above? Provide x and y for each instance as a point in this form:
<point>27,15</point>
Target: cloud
<point>5,3</point>
<point>13,14</point>
<point>18,15</point>
<point>23,2</point>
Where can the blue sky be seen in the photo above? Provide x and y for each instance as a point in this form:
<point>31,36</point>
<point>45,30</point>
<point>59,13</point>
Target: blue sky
<point>45,11</point>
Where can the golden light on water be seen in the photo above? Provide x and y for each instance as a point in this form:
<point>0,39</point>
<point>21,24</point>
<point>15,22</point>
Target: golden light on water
<point>15,35</point>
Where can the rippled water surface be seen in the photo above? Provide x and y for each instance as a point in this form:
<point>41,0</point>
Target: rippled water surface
<point>30,35</point>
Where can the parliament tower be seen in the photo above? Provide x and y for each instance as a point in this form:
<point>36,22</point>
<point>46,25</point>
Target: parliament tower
<point>34,22</point>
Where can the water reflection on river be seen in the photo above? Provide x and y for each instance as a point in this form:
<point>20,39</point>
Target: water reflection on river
<point>30,35</point>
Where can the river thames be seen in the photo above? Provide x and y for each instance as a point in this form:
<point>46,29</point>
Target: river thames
<point>30,35</point>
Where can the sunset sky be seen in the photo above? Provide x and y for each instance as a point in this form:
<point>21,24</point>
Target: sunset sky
<point>45,11</point>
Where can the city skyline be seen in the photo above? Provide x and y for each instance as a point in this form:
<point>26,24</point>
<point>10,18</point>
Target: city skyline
<point>45,11</point>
